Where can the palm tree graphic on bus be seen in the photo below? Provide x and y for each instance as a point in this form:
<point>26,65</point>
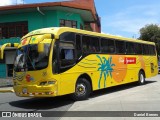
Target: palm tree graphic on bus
<point>105,68</point>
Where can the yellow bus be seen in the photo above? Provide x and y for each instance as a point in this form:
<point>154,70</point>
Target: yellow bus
<point>58,61</point>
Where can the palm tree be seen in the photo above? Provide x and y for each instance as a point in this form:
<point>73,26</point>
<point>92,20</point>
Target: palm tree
<point>105,66</point>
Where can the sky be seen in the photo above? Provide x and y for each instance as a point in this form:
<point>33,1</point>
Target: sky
<point>118,17</point>
<point>126,17</point>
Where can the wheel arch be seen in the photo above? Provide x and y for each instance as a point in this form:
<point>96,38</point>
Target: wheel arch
<point>87,77</point>
<point>142,70</point>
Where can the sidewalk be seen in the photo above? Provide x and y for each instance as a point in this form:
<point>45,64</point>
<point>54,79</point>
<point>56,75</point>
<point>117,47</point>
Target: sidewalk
<point>6,89</point>
<point>6,85</point>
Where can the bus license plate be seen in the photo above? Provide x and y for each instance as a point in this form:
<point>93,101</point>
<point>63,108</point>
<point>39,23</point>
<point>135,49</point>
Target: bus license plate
<point>24,90</point>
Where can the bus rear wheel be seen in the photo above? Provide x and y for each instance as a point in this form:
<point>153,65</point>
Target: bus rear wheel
<point>141,78</point>
<point>82,89</point>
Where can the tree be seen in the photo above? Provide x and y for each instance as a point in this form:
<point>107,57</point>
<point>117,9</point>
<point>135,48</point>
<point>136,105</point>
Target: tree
<point>151,32</point>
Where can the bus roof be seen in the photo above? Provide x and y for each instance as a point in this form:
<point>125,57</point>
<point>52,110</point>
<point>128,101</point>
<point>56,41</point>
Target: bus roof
<point>59,30</point>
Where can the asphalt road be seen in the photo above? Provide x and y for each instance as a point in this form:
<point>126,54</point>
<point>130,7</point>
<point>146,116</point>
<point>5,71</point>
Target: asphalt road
<point>121,98</point>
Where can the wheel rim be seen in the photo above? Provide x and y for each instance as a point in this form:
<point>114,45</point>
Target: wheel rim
<point>80,89</point>
<point>141,78</point>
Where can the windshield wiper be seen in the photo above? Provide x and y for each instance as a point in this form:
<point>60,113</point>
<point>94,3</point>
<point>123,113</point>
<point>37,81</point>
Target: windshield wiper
<point>31,62</point>
<point>29,58</point>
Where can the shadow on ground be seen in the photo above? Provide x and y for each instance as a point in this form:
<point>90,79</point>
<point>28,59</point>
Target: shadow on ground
<point>63,103</point>
<point>57,103</point>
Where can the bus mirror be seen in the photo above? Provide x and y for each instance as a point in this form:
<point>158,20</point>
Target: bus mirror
<point>3,47</point>
<point>40,47</point>
<point>47,36</point>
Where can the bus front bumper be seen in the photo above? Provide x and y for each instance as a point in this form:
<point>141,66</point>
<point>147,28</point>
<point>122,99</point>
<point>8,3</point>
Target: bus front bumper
<point>35,91</point>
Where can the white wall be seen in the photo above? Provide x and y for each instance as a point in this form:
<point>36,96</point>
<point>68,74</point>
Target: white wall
<point>10,56</point>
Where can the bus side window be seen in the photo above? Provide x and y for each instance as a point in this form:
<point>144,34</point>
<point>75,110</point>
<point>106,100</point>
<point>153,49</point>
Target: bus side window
<point>78,46</point>
<point>104,47</point>
<point>86,44</point>
<point>138,48</point>
<point>120,47</point>
<point>130,48</point>
<point>107,46</point>
<point>67,54</point>
<point>145,49</point>
<point>90,44</point>
<point>94,45</point>
<point>67,36</point>
<point>152,50</point>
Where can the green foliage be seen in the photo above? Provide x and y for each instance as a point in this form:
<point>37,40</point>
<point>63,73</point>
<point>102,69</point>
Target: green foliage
<point>151,32</point>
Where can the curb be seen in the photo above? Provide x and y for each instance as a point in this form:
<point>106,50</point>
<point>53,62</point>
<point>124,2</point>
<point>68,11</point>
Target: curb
<point>4,91</point>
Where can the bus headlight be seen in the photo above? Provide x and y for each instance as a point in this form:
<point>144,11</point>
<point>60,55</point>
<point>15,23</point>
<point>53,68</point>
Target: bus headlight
<point>47,83</point>
<point>51,82</point>
<point>43,83</point>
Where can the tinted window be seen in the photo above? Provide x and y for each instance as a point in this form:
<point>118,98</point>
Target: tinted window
<point>152,50</point>
<point>145,49</point>
<point>107,46</point>
<point>130,48</point>
<point>120,47</point>
<point>138,48</point>
<point>85,44</point>
<point>90,44</point>
<point>66,54</point>
<point>78,46</point>
<point>67,36</point>
<point>95,44</point>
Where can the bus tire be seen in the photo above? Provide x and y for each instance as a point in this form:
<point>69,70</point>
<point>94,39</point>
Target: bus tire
<point>82,89</point>
<point>141,78</point>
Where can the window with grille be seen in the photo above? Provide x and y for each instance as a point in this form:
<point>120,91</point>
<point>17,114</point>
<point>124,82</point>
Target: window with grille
<point>13,29</point>
<point>68,23</point>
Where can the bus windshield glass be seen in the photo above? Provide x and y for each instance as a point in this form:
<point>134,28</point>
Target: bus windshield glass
<point>28,58</point>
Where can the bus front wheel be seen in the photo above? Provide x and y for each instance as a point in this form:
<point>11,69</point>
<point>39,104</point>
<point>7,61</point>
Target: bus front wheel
<point>141,79</point>
<point>82,89</point>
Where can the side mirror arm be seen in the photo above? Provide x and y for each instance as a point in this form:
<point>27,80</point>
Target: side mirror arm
<point>7,45</point>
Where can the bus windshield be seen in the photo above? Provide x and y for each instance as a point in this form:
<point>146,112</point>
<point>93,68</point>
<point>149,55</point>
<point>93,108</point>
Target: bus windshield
<point>28,58</point>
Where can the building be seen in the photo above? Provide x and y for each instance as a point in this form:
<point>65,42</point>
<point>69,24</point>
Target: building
<point>18,20</point>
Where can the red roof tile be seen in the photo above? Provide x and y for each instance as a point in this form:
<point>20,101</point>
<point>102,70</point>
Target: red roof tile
<point>78,4</point>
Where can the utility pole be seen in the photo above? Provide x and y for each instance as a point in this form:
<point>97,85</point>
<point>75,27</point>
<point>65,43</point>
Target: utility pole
<point>134,36</point>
